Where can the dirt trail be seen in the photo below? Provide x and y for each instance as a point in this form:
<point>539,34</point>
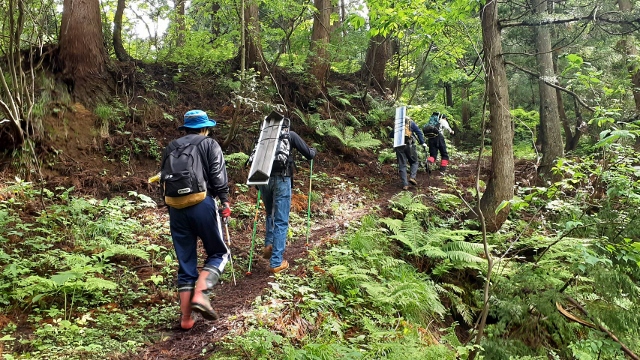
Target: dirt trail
<point>341,207</point>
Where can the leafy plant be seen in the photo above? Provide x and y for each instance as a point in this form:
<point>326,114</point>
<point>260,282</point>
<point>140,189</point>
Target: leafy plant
<point>350,139</point>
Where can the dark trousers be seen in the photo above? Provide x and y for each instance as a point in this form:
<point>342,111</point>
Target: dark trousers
<point>200,220</point>
<point>407,155</point>
<point>437,144</point>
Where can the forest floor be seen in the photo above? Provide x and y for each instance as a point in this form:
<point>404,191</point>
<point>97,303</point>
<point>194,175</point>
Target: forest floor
<point>350,186</point>
<point>349,189</point>
<point>339,210</point>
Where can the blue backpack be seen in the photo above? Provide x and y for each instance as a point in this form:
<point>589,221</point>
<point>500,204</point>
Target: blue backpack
<point>432,128</point>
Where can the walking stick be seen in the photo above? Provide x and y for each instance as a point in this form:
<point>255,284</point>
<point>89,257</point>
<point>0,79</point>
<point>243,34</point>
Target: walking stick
<point>253,236</point>
<point>309,200</point>
<point>233,272</point>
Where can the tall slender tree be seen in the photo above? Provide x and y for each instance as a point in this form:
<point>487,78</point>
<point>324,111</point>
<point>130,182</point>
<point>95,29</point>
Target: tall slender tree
<point>550,127</point>
<point>83,56</point>
<point>632,56</point>
<point>500,185</point>
<point>379,53</point>
<point>180,21</point>
<point>319,63</point>
<point>253,47</point>
<point>118,47</point>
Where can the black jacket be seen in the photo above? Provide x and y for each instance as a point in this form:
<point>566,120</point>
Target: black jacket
<point>215,171</point>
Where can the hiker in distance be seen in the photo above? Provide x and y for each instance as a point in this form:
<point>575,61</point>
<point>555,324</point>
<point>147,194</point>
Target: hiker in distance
<point>433,132</point>
<point>276,196</point>
<point>192,175</point>
<point>408,153</point>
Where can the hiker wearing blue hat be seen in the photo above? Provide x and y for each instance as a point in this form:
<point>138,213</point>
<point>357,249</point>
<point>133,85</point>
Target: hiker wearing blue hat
<point>192,175</point>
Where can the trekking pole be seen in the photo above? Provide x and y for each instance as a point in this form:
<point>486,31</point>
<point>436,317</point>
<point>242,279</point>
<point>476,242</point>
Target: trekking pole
<point>253,235</point>
<point>226,229</point>
<point>309,201</point>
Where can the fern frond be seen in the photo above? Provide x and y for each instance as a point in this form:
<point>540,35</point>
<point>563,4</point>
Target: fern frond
<point>405,202</point>
<point>443,235</point>
<point>392,224</point>
<point>94,283</point>
<point>464,246</point>
<point>362,140</point>
<point>123,250</point>
<point>463,257</point>
<point>430,251</point>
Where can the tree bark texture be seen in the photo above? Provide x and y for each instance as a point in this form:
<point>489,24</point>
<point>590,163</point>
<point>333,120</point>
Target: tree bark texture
<point>253,46</point>
<point>465,110</point>
<point>500,184</point>
<point>118,47</point>
<point>378,55</point>
<point>550,127</point>
<point>319,63</point>
<point>572,134</point>
<point>181,26</point>
<point>83,57</point>
<point>632,63</point>
<point>632,54</point>
<point>448,95</point>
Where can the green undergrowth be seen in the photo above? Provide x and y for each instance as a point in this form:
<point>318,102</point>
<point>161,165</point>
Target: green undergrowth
<point>361,299</point>
<point>81,278</point>
<point>573,242</point>
<point>403,286</point>
<point>86,278</point>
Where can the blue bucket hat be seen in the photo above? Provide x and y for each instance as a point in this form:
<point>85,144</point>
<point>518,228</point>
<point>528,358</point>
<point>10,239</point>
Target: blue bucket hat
<point>197,119</point>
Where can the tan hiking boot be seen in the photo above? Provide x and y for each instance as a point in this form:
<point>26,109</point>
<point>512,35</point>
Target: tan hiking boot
<point>283,266</point>
<point>413,181</point>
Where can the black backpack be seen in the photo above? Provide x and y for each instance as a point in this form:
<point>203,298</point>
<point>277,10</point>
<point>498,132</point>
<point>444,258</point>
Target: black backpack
<point>432,128</point>
<point>182,174</point>
<point>283,149</point>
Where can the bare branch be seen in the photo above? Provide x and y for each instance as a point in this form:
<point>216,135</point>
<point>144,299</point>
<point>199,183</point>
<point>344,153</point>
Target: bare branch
<point>537,76</point>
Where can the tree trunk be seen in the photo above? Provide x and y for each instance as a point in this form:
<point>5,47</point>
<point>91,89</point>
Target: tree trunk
<point>181,26</point>
<point>571,134</point>
<point>500,184</point>
<point>632,62</point>
<point>118,47</point>
<point>375,63</point>
<point>215,27</point>
<point>448,95</point>
<point>632,53</point>
<point>253,46</point>
<point>336,10</point>
<point>343,17</point>
<point>550,127</point>
<point>319,63</point>
<point>465,111</point>
<point>83,57</point>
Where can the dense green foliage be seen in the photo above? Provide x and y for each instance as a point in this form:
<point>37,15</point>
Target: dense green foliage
<point>406,284</point>
<point>71,269</point>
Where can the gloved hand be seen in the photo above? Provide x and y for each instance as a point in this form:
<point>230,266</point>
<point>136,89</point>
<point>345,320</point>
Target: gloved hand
<point>426,147</point>
<point>225,212</point>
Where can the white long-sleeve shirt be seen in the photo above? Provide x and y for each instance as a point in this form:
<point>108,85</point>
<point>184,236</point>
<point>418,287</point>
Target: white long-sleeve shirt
<point>445,124</point>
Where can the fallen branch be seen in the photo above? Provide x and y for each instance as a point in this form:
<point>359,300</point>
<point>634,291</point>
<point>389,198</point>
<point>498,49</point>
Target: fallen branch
<point>572,317</point>
<point>598,326</point>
